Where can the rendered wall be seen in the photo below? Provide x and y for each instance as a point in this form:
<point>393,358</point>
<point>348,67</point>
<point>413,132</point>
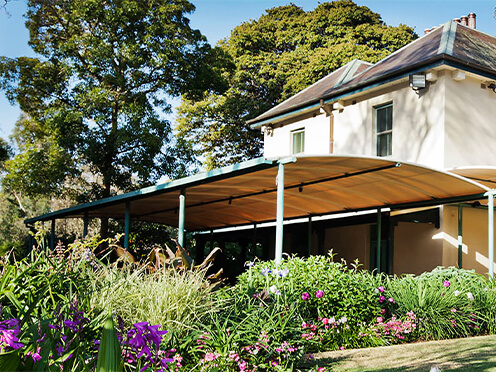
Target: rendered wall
<point>349,243</point>
<point>474,235</point>
<point>418,125</point>
<point>317,135</point>
<point>415,250</point>
<point>418,121</point>
<point>470,123</point>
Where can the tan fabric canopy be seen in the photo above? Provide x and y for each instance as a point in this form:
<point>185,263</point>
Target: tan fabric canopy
<point>246,193</point>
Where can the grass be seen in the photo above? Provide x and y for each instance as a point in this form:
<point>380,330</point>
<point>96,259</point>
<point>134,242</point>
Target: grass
<point>474,354</point>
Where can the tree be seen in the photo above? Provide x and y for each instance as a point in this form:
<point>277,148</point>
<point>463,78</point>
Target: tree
<point>98,91</point>
<point>276,56</point>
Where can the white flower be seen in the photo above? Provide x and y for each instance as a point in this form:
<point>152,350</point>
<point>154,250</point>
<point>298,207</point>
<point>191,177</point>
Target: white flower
<point>456,293</point>
<point>470,296</point>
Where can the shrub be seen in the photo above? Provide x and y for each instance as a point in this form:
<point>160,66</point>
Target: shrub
<point>177,301</point>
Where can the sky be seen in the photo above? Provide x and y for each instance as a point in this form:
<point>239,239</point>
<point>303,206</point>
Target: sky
<point>216,18</point>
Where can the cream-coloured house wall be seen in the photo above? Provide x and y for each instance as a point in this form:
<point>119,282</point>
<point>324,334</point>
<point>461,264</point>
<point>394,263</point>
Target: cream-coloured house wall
<point>474,237</point>
<point>415,250</point>
<point>349,243</point>
<point>418,125</point>
<point>317,136</point>
<point>418,121</point>
<point>470,124</point>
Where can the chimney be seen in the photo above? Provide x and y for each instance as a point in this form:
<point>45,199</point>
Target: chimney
<point>457,20</point>
<point>464,20</point>
<point>471,20</point>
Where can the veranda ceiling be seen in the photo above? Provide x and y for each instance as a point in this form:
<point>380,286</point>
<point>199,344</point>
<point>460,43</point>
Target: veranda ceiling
<point>246,193</point>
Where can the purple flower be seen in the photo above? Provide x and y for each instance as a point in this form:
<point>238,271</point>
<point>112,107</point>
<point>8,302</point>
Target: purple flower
<point>305,296</point>
<point>319,293</point>
<point>381,289</point>
<point>446,283</point>
<point>265,271</point>
<point>34,355</point>
<point>382,299</point>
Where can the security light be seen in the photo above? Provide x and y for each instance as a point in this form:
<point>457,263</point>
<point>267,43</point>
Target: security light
<point>417,81</point>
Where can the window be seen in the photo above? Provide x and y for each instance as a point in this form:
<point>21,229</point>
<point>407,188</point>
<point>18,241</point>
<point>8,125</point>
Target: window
<point>297,141</point>
<point>384,129</point>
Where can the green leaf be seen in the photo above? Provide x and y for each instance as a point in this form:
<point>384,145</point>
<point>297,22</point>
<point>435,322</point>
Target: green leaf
<point>109,352</point>
<point>10,361</point>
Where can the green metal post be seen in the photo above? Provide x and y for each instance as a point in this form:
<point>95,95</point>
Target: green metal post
<point>460,236</point>
<point>180,233</point>
<point>309,235</point>
<point>490,212</point>
<point>85,224</point>
<point>127,224</point>
<point>52,235</point>
<point>280,213</point>
<point>379,238</point>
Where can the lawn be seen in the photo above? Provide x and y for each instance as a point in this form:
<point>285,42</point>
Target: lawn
<point>467,354</point>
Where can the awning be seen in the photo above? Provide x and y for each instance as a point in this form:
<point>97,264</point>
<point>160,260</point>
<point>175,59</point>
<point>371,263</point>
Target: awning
<point>246,193</point>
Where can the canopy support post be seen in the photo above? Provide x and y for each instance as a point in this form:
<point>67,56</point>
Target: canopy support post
<point>309,235</point>
<point>85,224</point>
<point>52,235</point>
<point>490,240</point>
<point>460,236</point>
<point>280,213</point>
<point>379,238</point>
<point>127,224</point>
<point>180,233</point>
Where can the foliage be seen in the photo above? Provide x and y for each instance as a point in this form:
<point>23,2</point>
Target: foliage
<point>275,56</point>
<point>442,300</point>
<point>346,291</point>
<point>97,94</point>
<point>178,301</point>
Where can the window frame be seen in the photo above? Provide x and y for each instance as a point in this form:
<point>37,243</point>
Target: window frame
<point>377,134</point>
<point>294,133</point>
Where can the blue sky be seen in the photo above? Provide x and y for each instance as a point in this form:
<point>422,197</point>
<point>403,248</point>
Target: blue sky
<point>216,18</point>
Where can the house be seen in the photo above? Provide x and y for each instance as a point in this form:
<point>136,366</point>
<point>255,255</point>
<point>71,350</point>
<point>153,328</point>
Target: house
<point>433,103</point>
<point>391,164</point>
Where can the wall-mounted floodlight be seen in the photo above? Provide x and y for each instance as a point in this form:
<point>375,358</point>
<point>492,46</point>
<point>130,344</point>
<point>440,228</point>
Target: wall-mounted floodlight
<point>417,81</point>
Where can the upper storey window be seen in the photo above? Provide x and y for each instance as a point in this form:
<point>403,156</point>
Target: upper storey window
<point>297,141</point>
<point>384,129</point>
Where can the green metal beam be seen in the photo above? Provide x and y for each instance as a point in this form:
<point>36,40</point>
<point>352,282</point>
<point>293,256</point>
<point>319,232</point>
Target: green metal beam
<point>280,214</point>
<point>127,225</point>
<point>378,249</point>
<point>85,225</point>
<point>52,235</point>
<point>490,229</point>
<point>460,236</point>
<point>309,235</point>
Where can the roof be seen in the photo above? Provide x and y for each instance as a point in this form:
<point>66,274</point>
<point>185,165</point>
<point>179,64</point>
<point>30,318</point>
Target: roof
<point>246,193</point>
<point>452,44</point>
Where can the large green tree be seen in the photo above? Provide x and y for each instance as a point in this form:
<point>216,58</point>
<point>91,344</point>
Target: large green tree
<point>276,56</point>
<point>97,93</point>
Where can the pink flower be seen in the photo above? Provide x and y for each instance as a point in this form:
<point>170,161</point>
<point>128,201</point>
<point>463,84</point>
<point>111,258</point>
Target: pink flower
<point>382,299</point>
<point>391,300</point>
<point>325,321</point>
<point>305,296</point>
<point>319,293</point>
<point>383,311</point>
<point>446,283</point>
<point>379,319</point>
<point>341,348</point>
<point>381,289</point>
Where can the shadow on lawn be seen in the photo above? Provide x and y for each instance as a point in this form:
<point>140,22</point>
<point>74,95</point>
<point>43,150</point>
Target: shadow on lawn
<point>461,357</point>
